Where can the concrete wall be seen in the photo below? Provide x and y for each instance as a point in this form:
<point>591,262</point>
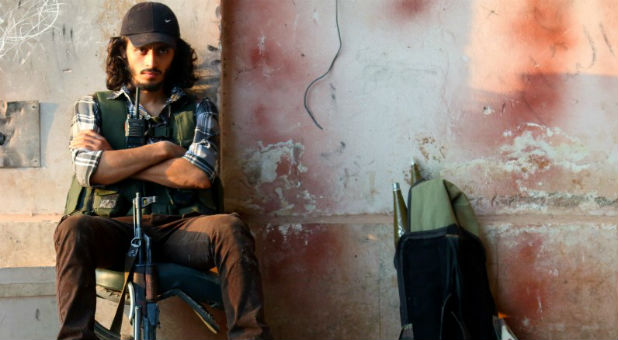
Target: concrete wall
<point>514,101</point>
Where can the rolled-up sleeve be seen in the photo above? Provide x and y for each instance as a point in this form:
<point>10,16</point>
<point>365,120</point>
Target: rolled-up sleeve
<point>204,151</point>
<point>85,117</point>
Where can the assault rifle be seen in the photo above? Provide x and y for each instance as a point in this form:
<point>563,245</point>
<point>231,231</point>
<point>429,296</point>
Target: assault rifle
<point>140,279</point>
<point>144,311</point>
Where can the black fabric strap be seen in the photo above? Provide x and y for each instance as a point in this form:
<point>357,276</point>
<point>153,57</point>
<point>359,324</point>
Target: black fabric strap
<point>129,267</point>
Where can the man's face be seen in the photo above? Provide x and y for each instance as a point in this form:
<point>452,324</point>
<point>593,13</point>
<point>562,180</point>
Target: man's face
<point>149,64</point>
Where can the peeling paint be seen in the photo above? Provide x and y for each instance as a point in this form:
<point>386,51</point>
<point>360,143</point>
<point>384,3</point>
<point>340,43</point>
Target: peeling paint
<point>262,164</point>
<point>532,152</point>
<point>431,149</point>
<point>261,44</point>
<point>286,230</point>
<point>512,235</point>
<point>275,172</point>
<point>531,171</point>
<point>544,202</point>
<point>316,16</point>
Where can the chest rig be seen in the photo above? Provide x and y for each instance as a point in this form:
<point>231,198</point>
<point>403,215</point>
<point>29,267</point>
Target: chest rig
<point>115,200</point>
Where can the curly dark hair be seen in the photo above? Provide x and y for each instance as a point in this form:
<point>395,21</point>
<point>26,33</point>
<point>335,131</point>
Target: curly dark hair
<point>181,73</point>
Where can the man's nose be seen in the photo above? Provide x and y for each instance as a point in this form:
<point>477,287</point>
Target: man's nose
<point>150,59</point>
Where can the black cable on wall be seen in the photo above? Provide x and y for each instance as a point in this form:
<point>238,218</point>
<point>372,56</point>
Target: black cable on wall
<point>305,102</point>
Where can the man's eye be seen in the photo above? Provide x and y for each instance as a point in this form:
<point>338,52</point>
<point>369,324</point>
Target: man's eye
<point>164,50</point>
<point>143,50</point>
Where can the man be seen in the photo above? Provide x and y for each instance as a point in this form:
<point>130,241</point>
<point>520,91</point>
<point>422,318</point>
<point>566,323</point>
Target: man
<point>177,163</point>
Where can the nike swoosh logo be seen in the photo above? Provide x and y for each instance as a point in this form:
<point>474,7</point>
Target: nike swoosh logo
<point>167,21</point>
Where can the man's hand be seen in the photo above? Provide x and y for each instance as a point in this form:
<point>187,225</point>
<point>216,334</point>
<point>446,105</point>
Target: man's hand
<point>90,140</point>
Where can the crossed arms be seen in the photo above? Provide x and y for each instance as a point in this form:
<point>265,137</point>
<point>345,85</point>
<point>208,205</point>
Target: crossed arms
<point>160,162</point>
<point>165,163</point>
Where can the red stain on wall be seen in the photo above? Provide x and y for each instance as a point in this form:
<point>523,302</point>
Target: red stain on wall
<point>269,64</point>
<point>545,31</point>
<point>407,9</point>
<point>259,116</point>
<point>260,45</point>
<point>545,25</point>
<point>257,57</point>
<point>524,287</point>
<point>268,61</point>
<point>319,282</point>
<point>543,34</point>
<point>265,64</point>
<point>299,253</point>
<point>539,101</point>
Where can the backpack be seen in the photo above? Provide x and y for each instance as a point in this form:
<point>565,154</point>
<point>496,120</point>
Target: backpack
<point>443,287</point>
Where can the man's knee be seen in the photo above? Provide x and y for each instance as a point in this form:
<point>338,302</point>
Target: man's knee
<point>235,241</point>
<point>232,225</point>
<point>229,230</point>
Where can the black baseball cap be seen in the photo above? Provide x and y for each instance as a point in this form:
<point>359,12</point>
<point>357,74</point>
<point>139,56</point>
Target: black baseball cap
<point>150,22</point>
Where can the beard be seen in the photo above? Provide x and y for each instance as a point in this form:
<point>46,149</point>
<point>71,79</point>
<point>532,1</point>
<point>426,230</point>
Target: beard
<point>147,86</point>
<point>153,87</point>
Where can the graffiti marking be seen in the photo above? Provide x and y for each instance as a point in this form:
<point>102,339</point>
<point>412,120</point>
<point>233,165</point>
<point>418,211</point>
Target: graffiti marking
<point>28,20</point>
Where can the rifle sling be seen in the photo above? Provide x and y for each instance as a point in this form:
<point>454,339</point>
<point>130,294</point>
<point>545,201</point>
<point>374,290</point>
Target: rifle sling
<point>129,267</point>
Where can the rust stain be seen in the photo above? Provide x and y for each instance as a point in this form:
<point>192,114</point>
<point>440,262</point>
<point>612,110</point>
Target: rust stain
<point>299,253</point>
<point>261,39</point>
<point>524,287</point>
<point>430,148</point>
<point>265,43</point>
<point>261,117</point>
<point>540,96</point>
<point>546,25</point>
<point>422,142</point>
<point>545,31</point>
<point>311,278</point>
<point>541,161</point>
<point>548,272</point>
<point>259,52</point>
<point>408,9</point>
<point>285,167</point>
<point>271,65</point>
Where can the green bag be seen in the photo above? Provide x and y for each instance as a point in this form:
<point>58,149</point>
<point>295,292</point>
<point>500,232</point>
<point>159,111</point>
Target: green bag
<point>442,205</point>
<point>441,275</point>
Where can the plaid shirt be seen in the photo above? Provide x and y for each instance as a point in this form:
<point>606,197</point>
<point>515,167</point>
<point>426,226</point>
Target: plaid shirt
<point>203,152</point>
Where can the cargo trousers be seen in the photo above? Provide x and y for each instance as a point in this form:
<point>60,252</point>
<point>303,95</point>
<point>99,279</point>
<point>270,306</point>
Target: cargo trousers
<point>84,243</point>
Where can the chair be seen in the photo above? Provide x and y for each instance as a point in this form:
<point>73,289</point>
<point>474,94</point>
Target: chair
<point>194,287</point>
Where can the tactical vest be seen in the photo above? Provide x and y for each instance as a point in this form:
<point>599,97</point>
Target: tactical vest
<point>116,199</point>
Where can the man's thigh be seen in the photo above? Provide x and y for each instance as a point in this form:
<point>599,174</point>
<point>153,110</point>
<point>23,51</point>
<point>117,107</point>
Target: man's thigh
<point>191,241</point>
<point>105,239</point>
